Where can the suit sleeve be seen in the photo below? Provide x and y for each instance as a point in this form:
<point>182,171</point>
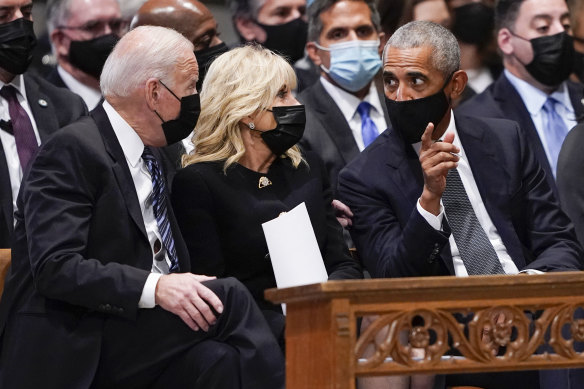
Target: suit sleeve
<point>387,246</point>
<point>551,240</point>
<point>338,262</point>
<point>58,202</point>
<point>193,206</point>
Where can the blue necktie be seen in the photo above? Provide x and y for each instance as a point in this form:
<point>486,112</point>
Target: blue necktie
<point>159,205</point>
<point>368,128</point>
<point>555,131</point>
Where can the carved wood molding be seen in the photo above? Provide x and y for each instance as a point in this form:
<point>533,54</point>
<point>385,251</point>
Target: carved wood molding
<point>422,339</point>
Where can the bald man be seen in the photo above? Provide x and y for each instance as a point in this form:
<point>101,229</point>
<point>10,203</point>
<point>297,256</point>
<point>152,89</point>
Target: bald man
<point>190,18</point>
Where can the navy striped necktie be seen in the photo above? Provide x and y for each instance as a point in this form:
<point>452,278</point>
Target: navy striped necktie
<point>160,207</point>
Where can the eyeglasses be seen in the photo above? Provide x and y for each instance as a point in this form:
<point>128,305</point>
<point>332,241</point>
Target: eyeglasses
<point>97,27</point>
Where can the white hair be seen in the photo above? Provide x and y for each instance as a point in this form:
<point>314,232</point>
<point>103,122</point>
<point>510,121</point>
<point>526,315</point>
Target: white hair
<point>143,53</point>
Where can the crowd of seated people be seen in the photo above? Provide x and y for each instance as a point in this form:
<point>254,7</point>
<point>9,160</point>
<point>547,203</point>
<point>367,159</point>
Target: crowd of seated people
<point>435,137</point>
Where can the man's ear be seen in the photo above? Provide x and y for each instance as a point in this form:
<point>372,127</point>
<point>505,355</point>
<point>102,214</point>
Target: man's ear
<point>152,91</point>
<point>382,42</point>
<point>312,52</point>
<point>249,30</point>
<point>458,83</point>
<point>60,43</point>
<point>504,41</point>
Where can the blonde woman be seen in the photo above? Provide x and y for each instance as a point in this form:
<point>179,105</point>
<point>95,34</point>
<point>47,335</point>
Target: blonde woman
<point>246,169</point>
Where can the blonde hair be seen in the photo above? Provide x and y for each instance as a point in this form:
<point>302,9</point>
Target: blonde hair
<point>239,83</point>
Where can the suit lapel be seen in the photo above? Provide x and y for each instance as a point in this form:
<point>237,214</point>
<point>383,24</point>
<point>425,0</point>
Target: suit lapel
<point>119,167</point>
<point>406,171</point>
<point>5,197</point>
<point>334,123</point>
<point>42,109</point>
<point>513,108</point>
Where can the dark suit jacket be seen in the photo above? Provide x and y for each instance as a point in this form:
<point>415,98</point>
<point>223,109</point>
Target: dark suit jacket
<point>221,216</point>
<point>501,100</point>
<point>52,109</point>
<point>55,78</point>
<point>571,178</point>
<point>327,133</point>
<point>81,254</point>
<point>382,185</point>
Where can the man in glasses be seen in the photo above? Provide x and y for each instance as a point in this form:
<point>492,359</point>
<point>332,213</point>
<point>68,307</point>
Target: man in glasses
<point>83,33</point>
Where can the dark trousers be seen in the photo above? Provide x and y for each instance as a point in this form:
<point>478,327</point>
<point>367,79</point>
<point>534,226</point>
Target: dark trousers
<point>158,350</point>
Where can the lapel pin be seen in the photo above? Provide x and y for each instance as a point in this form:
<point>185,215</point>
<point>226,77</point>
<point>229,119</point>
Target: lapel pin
<point>43,103</point>
<point>264,181</point>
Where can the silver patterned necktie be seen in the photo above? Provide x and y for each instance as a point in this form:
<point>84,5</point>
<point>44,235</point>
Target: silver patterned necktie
<point>477,252</point>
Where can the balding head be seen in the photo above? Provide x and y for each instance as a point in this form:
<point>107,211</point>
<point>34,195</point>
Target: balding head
<point>189,17</point>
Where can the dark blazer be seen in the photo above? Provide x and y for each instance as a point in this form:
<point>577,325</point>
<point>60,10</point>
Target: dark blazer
<point>52,108</point>
<point>382,185</point>
<point>89,258</point>
<point>501,100</point>
<point>327,133</point>
<point>55,78</point>
<point>221,216</point>
<point>571,179</point>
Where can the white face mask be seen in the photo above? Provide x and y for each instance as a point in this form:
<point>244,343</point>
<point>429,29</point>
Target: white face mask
<point>353,63</point>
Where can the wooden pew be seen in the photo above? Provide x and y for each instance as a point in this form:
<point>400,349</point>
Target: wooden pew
<point>323,351</point>
<point>5,258</point>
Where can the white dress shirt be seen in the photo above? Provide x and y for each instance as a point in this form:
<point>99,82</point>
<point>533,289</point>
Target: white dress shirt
<point>8,142</point>
<point>478,206</point>
<point>91,96</point>
<point>534,99</point>
<point>133,148</point>
<point>348,104</point>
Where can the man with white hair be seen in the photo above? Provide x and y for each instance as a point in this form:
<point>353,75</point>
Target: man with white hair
<point>100,294</point>
<point>279,25</point>
<point>83,34</point>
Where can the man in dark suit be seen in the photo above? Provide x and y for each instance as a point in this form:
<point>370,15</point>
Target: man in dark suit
<point>344,110</point>
<point>533,89</point>
<point>100,294</point>
<point>82,34</point>
<point>196,23</point>
<point>439,194</point>
<point>46,107</point>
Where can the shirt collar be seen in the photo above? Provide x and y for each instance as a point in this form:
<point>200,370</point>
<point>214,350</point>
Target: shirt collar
<point>18,83</point>
<point>90,95</point>
<point>535,98</point>
<point>129,140</point>
<point>347,102</point>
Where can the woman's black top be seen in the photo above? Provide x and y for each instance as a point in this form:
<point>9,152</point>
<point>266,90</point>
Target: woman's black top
<point>220,216</point>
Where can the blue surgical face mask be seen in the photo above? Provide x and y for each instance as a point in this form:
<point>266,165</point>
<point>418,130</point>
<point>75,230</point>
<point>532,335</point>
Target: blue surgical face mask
<point>353,63</point>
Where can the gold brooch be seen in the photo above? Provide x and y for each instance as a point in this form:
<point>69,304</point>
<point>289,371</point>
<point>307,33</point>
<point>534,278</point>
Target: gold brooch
<point>264,181</point>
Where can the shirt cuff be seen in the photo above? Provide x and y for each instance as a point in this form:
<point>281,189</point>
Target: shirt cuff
<point>435,221</point>
<point>531,271</point>
<point>147,299</point>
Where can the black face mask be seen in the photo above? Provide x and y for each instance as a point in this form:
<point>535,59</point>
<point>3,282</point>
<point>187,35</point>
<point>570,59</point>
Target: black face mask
<point>474,23</point>
<point>17,40</point>
<point>177,129</point>
<point>89,56</point>
<point>553,58</point>
<point>287,39</point>
<point>579,65</point>
<point>411,117</point>
<point>205,57</point>
<point>291,122</point>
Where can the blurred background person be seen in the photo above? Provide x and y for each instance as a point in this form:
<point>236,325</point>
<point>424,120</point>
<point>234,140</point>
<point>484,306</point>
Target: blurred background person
<point>31,109</point>
<point>129,8</point>
<point>246,169</point>
<point>83,34</point>
<point>279,25</point>
<point>533,90</point>
<point>577,18</point>
<point>426,10</point>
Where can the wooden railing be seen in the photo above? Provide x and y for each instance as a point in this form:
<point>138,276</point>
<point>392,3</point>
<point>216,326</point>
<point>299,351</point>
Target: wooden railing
<point>415,323</point>
<point>5,259</point>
